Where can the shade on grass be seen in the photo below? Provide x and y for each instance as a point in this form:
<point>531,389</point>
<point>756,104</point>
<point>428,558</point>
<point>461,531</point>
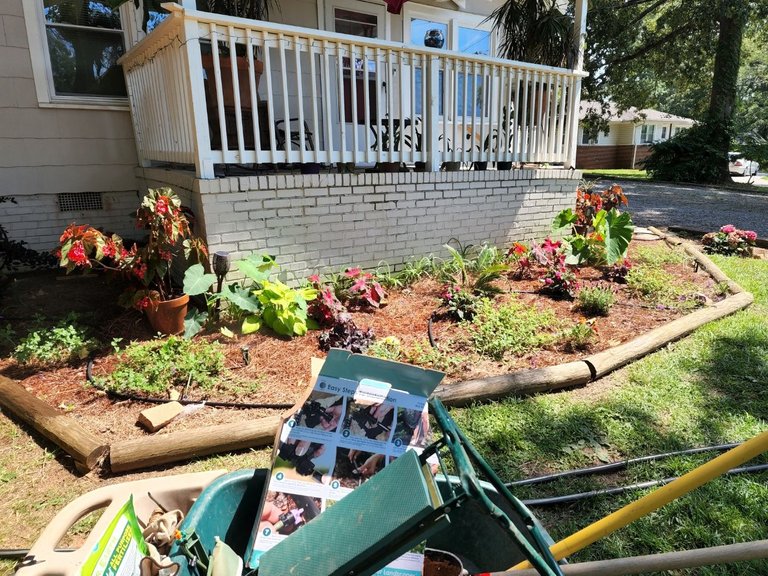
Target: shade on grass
<point>708,388</point>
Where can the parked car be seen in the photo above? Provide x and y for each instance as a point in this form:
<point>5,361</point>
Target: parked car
<point>737,164</point>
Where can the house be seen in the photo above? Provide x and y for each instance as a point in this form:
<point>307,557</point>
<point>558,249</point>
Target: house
<point>628,139</point>
<point>231,112</point>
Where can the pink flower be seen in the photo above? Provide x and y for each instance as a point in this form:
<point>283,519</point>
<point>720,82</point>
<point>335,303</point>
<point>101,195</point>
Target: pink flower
<point>749,235</point>
<point>314,279</point>
<point>359,285</point>
<point>549,246</point>
<point>109,249</point>
<point>352,272</point>
<point>728,228</point>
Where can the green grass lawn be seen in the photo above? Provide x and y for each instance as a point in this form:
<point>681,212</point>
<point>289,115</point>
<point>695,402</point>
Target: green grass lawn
<point>706,389</point>
<point>616,173</point>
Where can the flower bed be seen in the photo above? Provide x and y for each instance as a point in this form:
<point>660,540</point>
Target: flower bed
<point>480,312</point>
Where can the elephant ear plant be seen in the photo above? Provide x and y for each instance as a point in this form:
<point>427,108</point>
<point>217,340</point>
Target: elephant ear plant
<point>599,233</point>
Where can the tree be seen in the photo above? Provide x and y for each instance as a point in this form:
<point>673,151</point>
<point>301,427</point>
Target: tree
<point>679,55</point>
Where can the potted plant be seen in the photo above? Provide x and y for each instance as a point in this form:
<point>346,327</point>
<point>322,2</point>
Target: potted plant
<point>146,266</point>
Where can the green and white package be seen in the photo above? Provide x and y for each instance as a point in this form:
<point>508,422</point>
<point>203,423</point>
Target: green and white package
<point>120,550</point>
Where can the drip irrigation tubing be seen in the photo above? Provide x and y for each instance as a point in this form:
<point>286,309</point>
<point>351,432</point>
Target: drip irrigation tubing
<point>610,467</point>
<point>429,331</point>
<point>555,500</point>
<point>182,401</point>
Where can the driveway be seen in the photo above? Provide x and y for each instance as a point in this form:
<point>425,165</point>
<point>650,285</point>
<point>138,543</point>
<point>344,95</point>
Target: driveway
<point>695,207</point>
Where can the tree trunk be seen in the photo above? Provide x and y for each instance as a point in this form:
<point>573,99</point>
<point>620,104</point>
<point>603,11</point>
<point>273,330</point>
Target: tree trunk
<point>722,101</point>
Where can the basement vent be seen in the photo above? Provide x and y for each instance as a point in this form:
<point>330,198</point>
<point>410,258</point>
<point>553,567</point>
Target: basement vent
<point>80,201</point>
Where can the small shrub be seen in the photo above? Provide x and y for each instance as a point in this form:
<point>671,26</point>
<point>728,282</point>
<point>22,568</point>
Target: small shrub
<point>690,156</point>
<point>415,270</point>
<point>730,241</point>
<point>347,336</point>
<point>157,366</point>
<point>357,288</point>
<point>388,348</point>
<point>325,309</point>
<point>458,303</point>
<point>596,300</point>
<point>558,280</point>
<point>579,337</point>
<point>520,260</point>
<point>618,272</point>
<point>426,356</point>
<point>513,328</point>
<point>64,342</point>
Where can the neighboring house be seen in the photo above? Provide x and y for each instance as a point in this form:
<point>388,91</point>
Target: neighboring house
<point>344,83</point>
<point>630,134</point>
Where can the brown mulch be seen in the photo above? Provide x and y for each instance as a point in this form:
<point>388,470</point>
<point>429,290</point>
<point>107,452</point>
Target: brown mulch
<point>282,366</point>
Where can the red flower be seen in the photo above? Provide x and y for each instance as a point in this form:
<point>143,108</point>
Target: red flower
<point>161,206</point>
<point>144,303</point>
<point>76,254</point>
<point>166,255</point>
<point>352,272</point>
<point>518,248</point>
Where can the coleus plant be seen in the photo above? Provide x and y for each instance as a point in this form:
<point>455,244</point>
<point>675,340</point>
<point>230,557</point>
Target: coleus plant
<point>558,280</point>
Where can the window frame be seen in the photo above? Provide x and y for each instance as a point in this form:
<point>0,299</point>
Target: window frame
<point>42,72</point>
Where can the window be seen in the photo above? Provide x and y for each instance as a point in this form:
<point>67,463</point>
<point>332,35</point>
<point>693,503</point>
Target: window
<point>84,41</point>
<point>664,133</point>
<point>461,32</point>
<point>74,46</point>
<point>588,139</point>
<point>646,133</point>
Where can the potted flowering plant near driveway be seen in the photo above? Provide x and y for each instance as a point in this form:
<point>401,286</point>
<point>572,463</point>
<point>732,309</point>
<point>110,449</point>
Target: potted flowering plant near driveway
<point>147,266</point>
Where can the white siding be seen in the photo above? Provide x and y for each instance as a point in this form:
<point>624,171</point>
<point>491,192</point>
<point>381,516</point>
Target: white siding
<point>46,151</point>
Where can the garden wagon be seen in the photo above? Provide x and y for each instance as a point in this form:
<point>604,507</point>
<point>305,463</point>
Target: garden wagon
<point>479,523</point>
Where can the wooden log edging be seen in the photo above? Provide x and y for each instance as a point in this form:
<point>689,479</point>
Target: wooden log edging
<point>86,449</point>
<point>581,372</point>
<point>165,448</point>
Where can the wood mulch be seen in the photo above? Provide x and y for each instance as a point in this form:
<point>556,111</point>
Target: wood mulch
<point>282,366</point>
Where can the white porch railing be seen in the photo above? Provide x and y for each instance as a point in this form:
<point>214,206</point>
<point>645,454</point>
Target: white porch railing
<point>197,97</point>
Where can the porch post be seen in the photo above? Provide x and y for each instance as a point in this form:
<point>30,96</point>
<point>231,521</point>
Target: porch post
<point>196,95</point>
<point>579,38</point>
<point>432,115</point>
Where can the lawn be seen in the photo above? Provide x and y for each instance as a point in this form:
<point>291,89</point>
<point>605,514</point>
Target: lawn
<point>706,389</point>
<point>625,174</point>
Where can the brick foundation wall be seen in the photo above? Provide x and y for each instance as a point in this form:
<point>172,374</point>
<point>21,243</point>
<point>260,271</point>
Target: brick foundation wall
<point>37,220</point>
<point>594,157</point>
<point>326,221</point>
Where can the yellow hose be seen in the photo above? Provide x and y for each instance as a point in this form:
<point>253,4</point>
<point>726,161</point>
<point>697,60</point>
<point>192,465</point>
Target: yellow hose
<point>658,498</point>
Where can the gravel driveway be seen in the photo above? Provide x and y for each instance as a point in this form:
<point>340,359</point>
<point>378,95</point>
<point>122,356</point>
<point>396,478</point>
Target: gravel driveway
<point>695,207</point>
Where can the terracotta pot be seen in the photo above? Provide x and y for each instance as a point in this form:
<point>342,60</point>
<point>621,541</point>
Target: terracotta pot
<point>168,316</point>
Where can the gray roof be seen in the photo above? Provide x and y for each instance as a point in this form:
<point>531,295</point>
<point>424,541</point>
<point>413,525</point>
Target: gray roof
<point>633,114</point>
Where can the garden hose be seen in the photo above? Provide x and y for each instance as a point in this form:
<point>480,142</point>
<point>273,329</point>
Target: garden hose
<point>183,401</point>
<point>610,467</point>
<point>555,500</point>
